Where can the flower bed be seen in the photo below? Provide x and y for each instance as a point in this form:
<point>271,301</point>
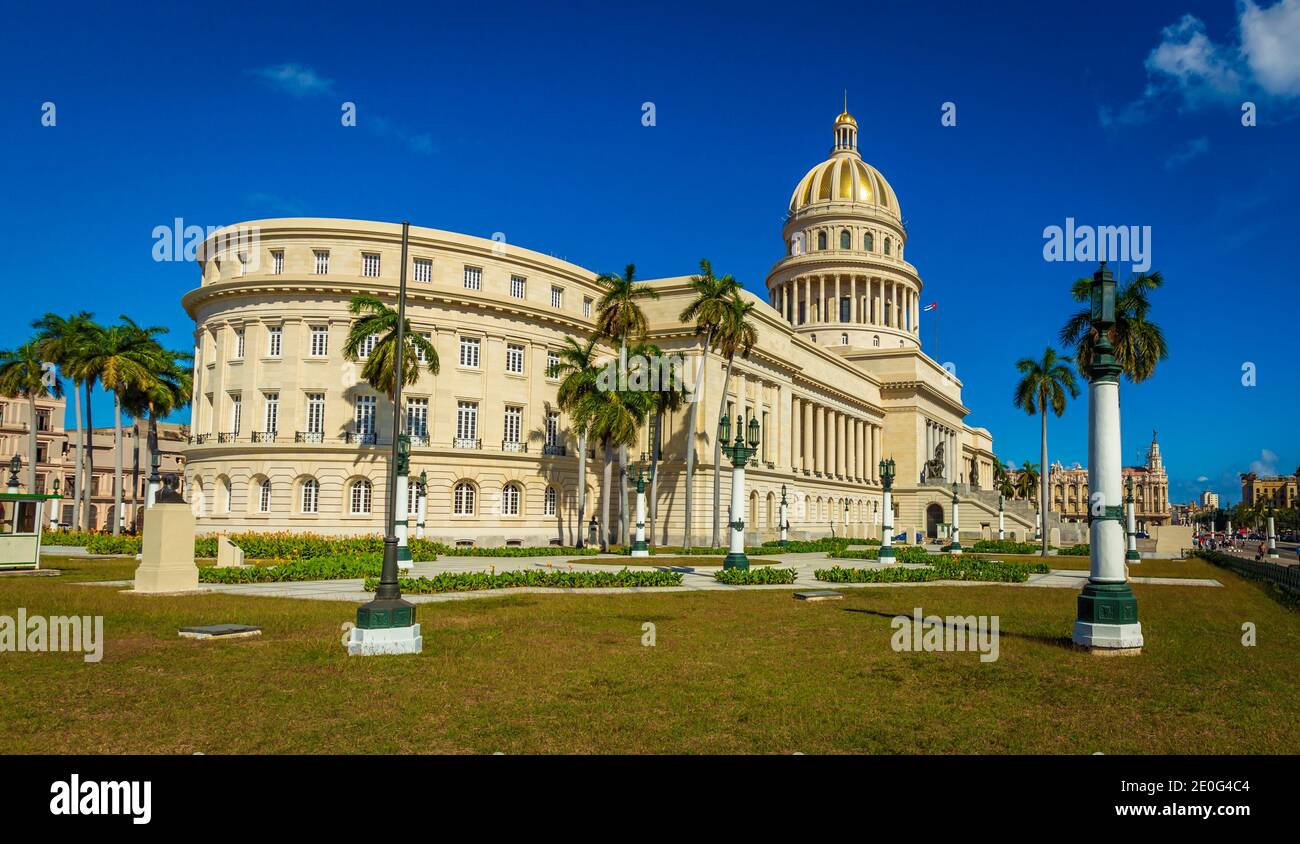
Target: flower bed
<point>548,578</point>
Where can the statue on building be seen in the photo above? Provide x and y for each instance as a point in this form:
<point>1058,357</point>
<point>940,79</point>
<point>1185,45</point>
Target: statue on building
<point>974,474</point>
<point>934,466</point>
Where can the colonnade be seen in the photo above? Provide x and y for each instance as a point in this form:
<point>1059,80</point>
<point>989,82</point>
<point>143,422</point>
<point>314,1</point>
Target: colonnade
<point>829,443</point>
<point>839,299</point>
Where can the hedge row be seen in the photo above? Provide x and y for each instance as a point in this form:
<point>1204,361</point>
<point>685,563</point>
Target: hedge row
<point>1081,550</point>
<point>549,578</point>
<point>941,568</point>
<point>340,567</point>
<point>1005,546</point>
<point>747,577</point>
<point>902,554</point>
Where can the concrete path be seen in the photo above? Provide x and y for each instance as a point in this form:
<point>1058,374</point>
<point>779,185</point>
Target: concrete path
<point>693,579</point>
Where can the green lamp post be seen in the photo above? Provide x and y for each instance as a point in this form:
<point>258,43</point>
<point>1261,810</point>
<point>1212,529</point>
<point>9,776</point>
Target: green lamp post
<point>784,517</point>
<point>15,466</point>
<point>1107,618</point>
<point>739,453</point>
<point>887,505</point>
<point>640,548</point>
<point>1272,533</point>
<point>1131,555</point>
<point>955,548</point>
<point>422,491</point>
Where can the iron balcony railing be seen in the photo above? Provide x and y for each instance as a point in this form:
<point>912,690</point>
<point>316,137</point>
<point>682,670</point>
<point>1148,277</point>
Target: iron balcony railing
<point>264,436</point>
<point>199,439</point>
<point>554,450</point>
<point>514,446</point>
<point>466,442</point>
<point>309,437</point>
<point>363,438</point>
<point>227,437</point>
<point>419,440</point>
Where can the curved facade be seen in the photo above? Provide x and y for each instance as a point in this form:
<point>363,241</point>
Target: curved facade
<point>286,436</point>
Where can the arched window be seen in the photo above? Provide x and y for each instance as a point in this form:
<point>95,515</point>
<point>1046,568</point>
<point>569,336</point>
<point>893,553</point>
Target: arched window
<point>869,242</point>
<point>875,341</point>
<point>548,502</point>
<point>463,499</point>
<point>887,246</point>
<point>844,339</point>
<point>821,240</point>
<point>814,338</point>
<point>846,239</point>
<point>510,500</point>
<point>310,495</point>
<point>264,496</point>
<point>359,499</point>
<point>223,494</point>
<point>412,499</point>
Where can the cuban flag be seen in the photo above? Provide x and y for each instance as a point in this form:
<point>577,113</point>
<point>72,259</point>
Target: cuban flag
<point>931,307</point>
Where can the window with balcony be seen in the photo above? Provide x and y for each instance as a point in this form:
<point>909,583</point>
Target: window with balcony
<point>236,412</point>
<point>364,416</point>
<point>514,425</point>
<point>272,416</point>
<point>466,424</point>
<point>316,414</point>
<point>417,419</point>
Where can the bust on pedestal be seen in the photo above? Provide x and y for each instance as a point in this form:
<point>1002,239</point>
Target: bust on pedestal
<point>167,551</point>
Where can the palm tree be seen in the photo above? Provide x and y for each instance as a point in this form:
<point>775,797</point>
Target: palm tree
<point>1002,481</point>
<point>734,335</point>
<point>576,368</point>
<point>22,373</point>
<point>619,318</point>
<point>169,390</point>
<point>1043,385</point>
<point>379,321</point>
<point>706,310</point>
<point>613,418</point>
<point>1139,343</point>
<point>57,342</point>
<point>121,357</point>
<point>1026,483</point>
<point>667,399</point>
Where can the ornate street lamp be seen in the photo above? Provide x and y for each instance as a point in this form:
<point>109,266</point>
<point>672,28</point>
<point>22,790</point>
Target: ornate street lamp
<point>739,454</point>
<point>15,466</point>
<point>640,548</point>
<point>783,517</point>
<point>887,505</point>
<point>155,480</point>
<point>1272,534</point>
<point>1002,531</point>
<point>846,517</point>
<point>423,492</point>
<point>386,625</point>
<point>1107,619</point>
<point>402,516</point>
<point>1131,555</point>
<point>54,507</point>
<point>955,547</point>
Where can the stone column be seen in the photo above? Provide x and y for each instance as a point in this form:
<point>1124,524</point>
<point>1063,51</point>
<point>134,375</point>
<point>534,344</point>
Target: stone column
<point>819,438</point>
<point>796,434</point>
<point>806,429</point>
<point>851,472</point>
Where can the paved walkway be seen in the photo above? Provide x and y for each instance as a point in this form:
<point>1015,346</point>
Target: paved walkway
<point>693,580</point>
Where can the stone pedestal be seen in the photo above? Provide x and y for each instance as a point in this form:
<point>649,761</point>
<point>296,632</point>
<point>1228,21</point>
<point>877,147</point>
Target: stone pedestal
<point>167,552</point>
<point>381,641</point>
<point>229,555</point>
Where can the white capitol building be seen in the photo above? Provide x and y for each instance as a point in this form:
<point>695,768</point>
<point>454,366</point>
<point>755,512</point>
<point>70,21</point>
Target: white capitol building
<point>286,436</point>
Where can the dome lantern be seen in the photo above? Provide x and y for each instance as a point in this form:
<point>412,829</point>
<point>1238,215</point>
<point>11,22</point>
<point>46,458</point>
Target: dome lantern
<point>846,130</point>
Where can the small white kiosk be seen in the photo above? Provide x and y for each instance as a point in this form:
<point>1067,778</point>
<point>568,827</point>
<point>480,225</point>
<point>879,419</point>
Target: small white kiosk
<point>21,521</point>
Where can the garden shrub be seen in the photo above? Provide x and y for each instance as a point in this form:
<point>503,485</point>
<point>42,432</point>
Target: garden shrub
<point>550,578</point>
<point>745,577</point>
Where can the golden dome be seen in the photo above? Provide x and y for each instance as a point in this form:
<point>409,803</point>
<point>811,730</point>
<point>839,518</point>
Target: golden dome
<point>845,117</point>
<point>845,178</point>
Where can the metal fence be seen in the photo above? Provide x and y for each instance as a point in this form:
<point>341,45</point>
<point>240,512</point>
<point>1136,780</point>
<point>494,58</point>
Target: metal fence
<point>1286,576</point>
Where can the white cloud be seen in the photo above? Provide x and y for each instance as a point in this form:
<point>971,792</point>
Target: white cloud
<point>1194,72</point>
<point>1192,149</point>
<point>1270,41</point>
<point>296,79</point>
<point>1203,478</point>
<point>1266,464</point>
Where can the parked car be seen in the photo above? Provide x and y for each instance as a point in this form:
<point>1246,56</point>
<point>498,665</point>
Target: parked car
<point>1142,535</point>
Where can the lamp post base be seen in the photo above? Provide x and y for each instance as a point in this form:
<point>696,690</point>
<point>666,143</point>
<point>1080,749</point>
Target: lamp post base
<point>955,548</point>
<point>886,553</point>
<point>1107,620</point>
<point>1132,557</point>
<point>404,560</point>
<point>383,641</point>
<point>736,560</point>
<point>640,548</point>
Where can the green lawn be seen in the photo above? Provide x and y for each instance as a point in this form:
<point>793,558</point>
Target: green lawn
<point>742,671</point>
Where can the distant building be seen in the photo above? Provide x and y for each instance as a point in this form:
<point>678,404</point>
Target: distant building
<point>1209,500</point>
<point>51,441</point>
<point>1280,489</point>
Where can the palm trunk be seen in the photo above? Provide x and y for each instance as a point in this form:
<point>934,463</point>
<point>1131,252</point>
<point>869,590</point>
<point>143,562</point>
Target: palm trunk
<point>717,458</point>
<point>624,523</point>
<point>582,488</point>
<point>606,494</point>
<point>117,464</point>
<point>701,375</point>
<point>78,471</point>
<point>654,472</point>
<point>87,499</point>
<point>31,445</point>
<point>1043,477</point>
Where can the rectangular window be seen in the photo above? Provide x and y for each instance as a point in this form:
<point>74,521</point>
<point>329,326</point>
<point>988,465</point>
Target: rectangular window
<point>239,344</point>
<point>41,450</point>
<point>42,420</point>
<point>364,420</point>
<point>424,269</point>
<point>243,263</point>
<point>274,335</point>
<point>845,305</point>
<point>517,286</point>
<point>277,261</point>
<point>417,418</point>
<point>553,428</point>
<point>236,412</point>
<point>514,359</point>
<point>514,424</point>
<point>370,264</point>
<point>272,411</point>
<point>419,352</point>
<point>367,346</point>
<point>469,352</point>
<point>586,306</point>
<point>467,420</point>
<point>552,361</point>
<point>802,312</point>
<point>557,297</point>
<point>473,278</point>
<point>767,451</point>
<point>315,413</point>
<point>320,341</point>
<point>322,261</point>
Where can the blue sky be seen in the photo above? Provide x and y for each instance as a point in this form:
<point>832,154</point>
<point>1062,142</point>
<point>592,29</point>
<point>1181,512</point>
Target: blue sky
<point>526,119</point>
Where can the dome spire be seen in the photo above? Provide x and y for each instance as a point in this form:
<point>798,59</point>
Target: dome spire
<point>846,130</point>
